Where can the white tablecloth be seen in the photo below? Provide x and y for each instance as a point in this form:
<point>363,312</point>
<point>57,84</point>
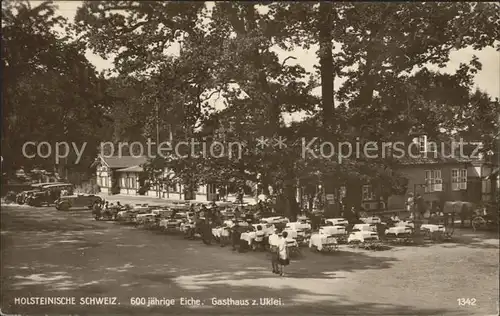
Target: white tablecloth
<point>291,242</point>
<point>371,220</point>
<point>217,232</point>
<point>320,240</point>
<point>332,230</point>
<point>291,233</point>
<point>405,223</point>
<point>433,228</point>
<point>365,227</point>
<point>362,236</point>
<point>220,232</point>
<point>248,237</point>
<point>298,226</point>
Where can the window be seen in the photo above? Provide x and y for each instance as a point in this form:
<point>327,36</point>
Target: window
<point>123,183</point>
<point>367,193</point>
<point>458,179</point>
<point>486,186</point>
<point>131,183</point>
<point>422,144</point>
<point>433,181</point>
<point>103,181</point>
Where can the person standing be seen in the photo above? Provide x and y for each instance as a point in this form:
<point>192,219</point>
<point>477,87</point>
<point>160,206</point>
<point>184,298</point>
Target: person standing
<point>274,241</point>
<point>235,235</point>
<point>283,253</point>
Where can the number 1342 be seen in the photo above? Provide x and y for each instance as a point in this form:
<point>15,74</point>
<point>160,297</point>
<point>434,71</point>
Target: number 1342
<point>466,301</point>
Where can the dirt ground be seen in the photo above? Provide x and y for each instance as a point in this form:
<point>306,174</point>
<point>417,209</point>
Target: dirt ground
<point>46,253</point>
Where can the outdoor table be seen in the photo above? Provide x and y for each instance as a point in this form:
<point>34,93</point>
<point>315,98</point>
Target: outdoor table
<point>433,228</point>
<point>398,230</point>
<point>321,240</point>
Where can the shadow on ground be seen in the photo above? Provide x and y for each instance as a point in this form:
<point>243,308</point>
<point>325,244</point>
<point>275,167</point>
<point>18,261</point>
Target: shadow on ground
<point>471,239</point>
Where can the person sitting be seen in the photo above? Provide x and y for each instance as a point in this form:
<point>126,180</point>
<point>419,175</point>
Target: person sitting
<point>224,236</point>
<point>394,218</point>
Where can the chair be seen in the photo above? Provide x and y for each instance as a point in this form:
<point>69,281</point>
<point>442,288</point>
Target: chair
<point>448,232</point>
<point>293,247</point>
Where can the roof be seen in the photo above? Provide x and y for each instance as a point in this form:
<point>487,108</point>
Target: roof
<point>131,169</point>
<point>120,162</point>
<point>431,159</point>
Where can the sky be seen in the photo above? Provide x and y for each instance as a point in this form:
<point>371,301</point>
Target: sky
<point>488,79</point>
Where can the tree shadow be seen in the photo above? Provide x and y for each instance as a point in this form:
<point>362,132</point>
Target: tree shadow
<point>469,238</point>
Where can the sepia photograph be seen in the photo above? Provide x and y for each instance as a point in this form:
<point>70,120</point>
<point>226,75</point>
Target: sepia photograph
<point>250,158</point>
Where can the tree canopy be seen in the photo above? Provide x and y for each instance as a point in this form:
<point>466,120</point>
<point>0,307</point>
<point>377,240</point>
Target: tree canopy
<point>172,59</point>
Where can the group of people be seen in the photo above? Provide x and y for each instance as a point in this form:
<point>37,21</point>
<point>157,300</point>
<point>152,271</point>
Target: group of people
<point>106,209</point>
<point>280,253</point>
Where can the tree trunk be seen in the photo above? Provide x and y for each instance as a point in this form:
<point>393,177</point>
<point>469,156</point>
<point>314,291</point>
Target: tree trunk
<point>326,63</point>
<point>292,207</point>
<point>327,86</point>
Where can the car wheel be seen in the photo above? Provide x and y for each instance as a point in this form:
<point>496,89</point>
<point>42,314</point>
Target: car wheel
<point>64,206</point>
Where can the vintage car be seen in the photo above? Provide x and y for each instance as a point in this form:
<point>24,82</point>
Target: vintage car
<point>64,203</point>
<point>174,223</point>
<point>39,198</point>
<point>23,196</point>
<point>47,193</point>
<point>35,187</point>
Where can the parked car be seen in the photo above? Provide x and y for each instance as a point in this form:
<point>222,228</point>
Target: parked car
<point>39,198</point>
<point>77,201</point>
<point>23,196</point>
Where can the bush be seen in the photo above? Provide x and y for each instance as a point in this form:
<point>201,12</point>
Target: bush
<point>88,188</point>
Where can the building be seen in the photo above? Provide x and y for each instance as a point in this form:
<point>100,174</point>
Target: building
<point>125,175</point>
<point>438,179</point>
<point>112,176</point>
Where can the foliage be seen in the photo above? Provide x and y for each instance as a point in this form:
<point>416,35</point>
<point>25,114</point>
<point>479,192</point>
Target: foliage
<point>173,58</point>
<point>49,77</point>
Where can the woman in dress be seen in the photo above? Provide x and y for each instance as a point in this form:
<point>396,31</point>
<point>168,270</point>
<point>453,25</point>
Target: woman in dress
<point>283,253</point>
